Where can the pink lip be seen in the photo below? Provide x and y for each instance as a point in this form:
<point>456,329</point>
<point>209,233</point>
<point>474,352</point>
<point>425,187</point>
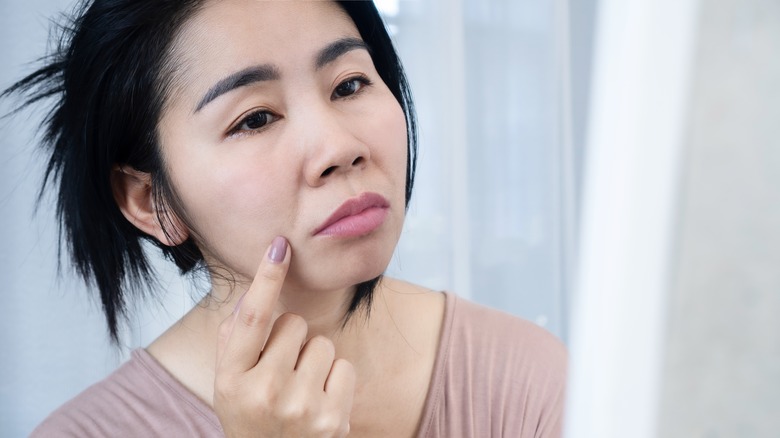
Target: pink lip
<point>356,216</point>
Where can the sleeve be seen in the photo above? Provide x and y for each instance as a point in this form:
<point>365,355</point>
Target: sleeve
<point>552,388</point>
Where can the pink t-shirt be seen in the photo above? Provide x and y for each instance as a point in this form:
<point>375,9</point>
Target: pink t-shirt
<point>494,376</point>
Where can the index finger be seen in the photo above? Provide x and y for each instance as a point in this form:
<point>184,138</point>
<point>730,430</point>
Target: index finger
<point>253,317</point>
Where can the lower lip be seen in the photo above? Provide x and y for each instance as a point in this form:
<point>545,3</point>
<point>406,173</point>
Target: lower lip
<point>357,225</point>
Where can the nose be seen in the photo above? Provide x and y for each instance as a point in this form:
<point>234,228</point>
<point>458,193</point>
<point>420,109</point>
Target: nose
<point>334,151</point>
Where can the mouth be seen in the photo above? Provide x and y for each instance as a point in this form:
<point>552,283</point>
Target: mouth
<point>357,216</point>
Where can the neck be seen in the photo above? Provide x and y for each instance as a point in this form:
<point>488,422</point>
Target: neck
<point>324,310</point>
<point>189,346</point>
<point>373,345</point>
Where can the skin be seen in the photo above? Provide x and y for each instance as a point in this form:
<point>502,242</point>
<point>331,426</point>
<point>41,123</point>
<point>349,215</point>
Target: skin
<point>281,364</point>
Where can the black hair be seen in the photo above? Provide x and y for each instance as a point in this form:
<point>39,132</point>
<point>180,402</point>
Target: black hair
<point>109,77</point>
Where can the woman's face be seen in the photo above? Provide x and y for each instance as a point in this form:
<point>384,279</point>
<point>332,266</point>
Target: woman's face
<point>278,118</point>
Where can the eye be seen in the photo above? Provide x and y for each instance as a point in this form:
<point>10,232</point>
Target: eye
<point>255,121</point>
<point>350,87</point>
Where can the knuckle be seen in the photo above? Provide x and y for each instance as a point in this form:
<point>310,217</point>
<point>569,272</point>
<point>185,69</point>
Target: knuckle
<point>292,321</point>
<point>263,401</point>
<point>266,391</point>
<point>292,411</point>
<point>345,365</point>
<point>251,317</point>
<point>272,272</point>
<point>346,371</point>
<point>322,345</point>
<point>331,425</point>
<point>342,430</point>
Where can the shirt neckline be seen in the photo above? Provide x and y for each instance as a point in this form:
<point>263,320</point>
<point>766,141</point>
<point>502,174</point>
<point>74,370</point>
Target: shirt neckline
<point>432,398</point>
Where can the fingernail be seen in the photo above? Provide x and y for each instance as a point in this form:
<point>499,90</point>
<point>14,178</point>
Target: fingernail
<point>278,250</point>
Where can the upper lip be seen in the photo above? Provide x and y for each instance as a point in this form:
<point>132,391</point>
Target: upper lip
<point>353,206</point>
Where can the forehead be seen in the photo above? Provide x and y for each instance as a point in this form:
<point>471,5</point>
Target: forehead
<point>231,34</point>
<point>227,36</point>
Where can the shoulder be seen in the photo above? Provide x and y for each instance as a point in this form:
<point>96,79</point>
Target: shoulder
<point>512,371</point>
<point>138,399</point>
<point>494,332</point>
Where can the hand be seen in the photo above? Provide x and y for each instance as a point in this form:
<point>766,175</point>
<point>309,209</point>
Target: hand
<point>269,381</point>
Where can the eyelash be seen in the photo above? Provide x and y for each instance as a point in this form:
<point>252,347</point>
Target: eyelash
<point>238,130</point>
<point>363,80</point>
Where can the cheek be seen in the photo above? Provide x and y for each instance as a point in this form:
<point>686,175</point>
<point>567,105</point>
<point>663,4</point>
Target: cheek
<point>388,132</point>
<point>234,206</point>
<point>244,189</point>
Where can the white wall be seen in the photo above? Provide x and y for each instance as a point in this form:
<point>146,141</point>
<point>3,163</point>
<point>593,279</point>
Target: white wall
<point>675,329</point>
<point>635,140</point>
<point>722,355</point>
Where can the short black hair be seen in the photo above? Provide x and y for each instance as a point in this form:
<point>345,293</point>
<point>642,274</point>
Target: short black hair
<point>109,76</point>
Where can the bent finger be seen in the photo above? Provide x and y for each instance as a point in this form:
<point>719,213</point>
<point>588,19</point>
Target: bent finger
<point>315,362</point>
<point>340,386</point>
<point>284,344</point>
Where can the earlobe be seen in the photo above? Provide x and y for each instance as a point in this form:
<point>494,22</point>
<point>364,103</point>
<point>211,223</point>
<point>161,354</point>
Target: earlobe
<point>133,194</point>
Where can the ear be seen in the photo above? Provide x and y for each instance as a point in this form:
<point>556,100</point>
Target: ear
<point>133,194</point>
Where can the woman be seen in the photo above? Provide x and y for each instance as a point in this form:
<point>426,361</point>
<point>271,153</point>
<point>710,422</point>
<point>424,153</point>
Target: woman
<point>273,144</point>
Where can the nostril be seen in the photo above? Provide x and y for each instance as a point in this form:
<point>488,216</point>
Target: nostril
<point>357,161</point>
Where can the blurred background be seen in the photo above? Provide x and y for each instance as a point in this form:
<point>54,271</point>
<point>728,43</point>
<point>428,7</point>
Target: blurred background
<point>607,169</point>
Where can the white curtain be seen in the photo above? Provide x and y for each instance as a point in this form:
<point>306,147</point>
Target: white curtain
<point>491,217</point>
<point>494,205</point>
<point>636,143</point>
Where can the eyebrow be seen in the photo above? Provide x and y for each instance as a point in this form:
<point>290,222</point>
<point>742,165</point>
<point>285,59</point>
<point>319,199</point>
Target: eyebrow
<point>337,48</point>
<point>247,76</point>
<point>269,72</point>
